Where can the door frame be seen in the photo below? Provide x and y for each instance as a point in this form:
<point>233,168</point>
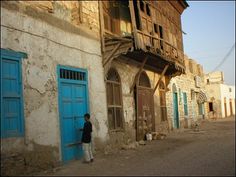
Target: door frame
<point>60,81</point>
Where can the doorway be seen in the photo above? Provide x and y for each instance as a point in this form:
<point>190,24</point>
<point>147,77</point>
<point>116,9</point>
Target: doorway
<point>73,104</point>
<point>144,106</point>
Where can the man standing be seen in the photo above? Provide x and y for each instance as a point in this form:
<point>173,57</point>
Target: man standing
<point>86,139</point>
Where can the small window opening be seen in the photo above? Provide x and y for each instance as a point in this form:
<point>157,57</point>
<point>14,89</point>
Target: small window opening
<point>148,10</point>
<point>137,15</point>
<point>210,106</point>
<point>155,28</point>
<point>161,36</point>
<point>72,75</point>
<point>142,6</point>
<point>161,32</point>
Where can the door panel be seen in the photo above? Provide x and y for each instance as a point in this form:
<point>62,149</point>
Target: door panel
<point>176,111</point>
<point>145,117</point>
<point>73,108</point>
<point>80,109</point>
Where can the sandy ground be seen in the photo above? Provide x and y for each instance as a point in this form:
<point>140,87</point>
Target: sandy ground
<point>211,151</point>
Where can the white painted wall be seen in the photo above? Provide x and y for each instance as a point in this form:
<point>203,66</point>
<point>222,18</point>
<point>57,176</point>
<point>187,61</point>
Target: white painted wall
<point>40,76</point>
<point>219,92</point>
<point>225,93</point>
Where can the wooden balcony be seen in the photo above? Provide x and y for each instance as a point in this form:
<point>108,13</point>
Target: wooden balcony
<point>140,46</point>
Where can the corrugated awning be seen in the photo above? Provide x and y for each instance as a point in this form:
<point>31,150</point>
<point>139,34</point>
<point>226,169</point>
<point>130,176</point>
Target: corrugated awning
<point>201,97</point>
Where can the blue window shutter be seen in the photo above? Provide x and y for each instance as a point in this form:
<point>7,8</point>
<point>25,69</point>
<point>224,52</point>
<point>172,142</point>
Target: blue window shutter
<point>12,111</point>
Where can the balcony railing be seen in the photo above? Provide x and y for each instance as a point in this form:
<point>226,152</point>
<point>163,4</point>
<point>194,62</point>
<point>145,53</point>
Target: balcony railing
<point>159,46</point>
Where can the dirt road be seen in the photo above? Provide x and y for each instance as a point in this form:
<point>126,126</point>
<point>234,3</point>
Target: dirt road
<point>208,152</point>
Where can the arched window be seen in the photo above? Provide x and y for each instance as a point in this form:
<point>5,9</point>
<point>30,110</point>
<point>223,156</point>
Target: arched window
<point>114,100</point>
<point>162,92</point>
<point>144,80</point>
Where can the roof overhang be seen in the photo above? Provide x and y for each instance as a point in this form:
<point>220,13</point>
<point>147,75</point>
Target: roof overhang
<point>154,63</point>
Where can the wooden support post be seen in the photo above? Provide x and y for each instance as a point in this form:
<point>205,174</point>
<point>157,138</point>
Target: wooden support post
<point>133,20</point>
<point>101,19</point>
<point>111,54</point>
<point>162,74</point>
<point>138,73</point>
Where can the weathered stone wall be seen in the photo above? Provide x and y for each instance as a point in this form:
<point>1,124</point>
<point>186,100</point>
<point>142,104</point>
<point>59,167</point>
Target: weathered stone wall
<point>185,83</point>
<point>49,38</point>
<point>127,74</point>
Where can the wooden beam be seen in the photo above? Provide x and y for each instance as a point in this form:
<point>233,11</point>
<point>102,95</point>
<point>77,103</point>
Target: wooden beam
<point>138,73</point>
<point>133,22</point>
<point>109,58</point>
<point>101,19</point>
<point>162,74</point>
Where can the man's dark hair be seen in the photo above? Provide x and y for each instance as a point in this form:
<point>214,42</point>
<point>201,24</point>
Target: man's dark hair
<point>87,115</point>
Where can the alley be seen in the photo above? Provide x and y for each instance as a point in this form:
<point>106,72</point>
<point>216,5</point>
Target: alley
<point>207,152</point>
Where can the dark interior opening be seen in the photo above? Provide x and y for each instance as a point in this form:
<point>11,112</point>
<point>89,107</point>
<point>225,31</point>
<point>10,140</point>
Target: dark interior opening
<point>142,6</point>
<point>137,17</point>
<point>210,106</point>
<point>148,10</point>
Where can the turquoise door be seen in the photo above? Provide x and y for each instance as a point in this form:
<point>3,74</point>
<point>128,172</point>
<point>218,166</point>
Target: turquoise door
<point>73,104</point>
<point>176,111</point>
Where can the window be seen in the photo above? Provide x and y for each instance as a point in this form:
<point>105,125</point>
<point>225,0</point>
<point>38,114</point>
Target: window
<point>230,90</point>
<point>200,109</point>
<point>208,81</point>
<point>72,75</point>
<point>114,100</point>
<point>161,36</point>
<point>163,101</point>
<point>142,5</point>
<point>148,10</point>
<point>161,31</point>
<point>155,28</point>
<point>12,111</point>
<point>144,80</point>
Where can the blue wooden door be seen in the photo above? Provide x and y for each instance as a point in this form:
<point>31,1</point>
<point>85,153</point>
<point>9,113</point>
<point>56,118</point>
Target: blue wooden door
<point>73,105</point>
<point>176,111</point>
<point>11,98</point>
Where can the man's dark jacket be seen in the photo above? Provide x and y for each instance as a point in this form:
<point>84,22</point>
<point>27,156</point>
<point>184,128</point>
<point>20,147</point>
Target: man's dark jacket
<point>86,135</point>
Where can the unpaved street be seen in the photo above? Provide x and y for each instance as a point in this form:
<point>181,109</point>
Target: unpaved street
<point>208,152</point>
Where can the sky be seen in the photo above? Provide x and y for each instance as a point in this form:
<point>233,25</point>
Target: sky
<point>210,34</point>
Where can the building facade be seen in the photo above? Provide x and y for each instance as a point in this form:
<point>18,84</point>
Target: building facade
<point>221,97</point>
<point>142,50</point>
<point>61,59</point>
<point>186,96</point>
<point>51,75</point>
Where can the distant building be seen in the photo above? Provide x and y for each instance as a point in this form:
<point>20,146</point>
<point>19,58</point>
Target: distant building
<point>186,97</point>
<point>221,97</point>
